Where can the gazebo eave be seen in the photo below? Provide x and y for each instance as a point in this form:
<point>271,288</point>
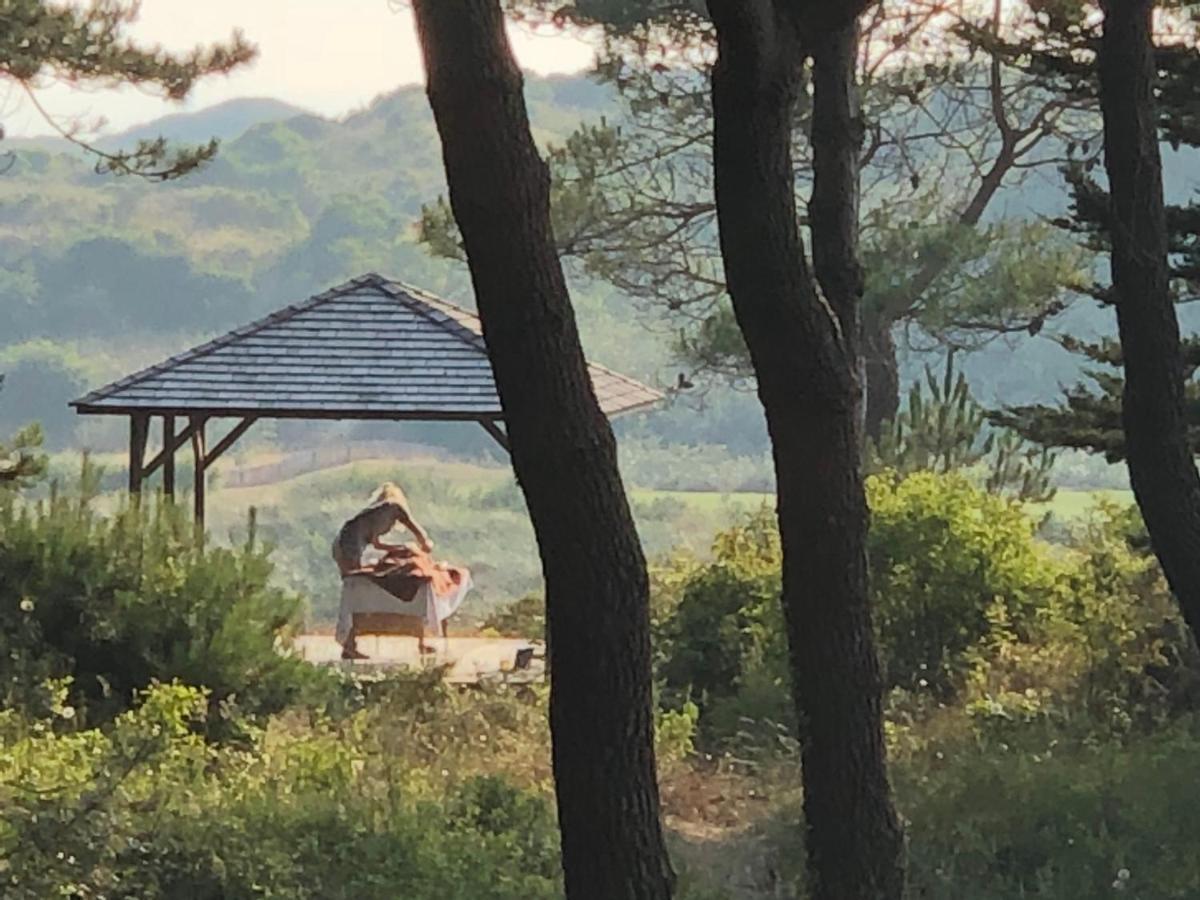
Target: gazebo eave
<point>265,412</point>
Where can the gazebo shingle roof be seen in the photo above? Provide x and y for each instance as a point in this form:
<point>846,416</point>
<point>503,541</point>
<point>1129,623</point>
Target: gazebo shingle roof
<point>371,348</point>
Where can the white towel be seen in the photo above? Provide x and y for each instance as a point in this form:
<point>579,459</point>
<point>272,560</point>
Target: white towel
<point>361,594</point>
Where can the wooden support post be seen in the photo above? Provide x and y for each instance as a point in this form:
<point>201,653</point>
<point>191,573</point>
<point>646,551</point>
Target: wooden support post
<point>492,427</point>
<point>198,456</point>
<point>139,428</point>
<point>168,439</point>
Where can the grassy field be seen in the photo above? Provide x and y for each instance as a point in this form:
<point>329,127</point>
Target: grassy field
<point>1071,504</point>
<point>474,513</point>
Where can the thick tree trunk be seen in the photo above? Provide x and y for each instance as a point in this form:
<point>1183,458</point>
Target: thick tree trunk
<point>882,374</point>
<point>564,456</point>
<point>1161,468</point>
<point>803,345</point>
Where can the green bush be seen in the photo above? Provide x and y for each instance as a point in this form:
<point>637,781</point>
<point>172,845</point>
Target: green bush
<point>115,602</point>
<point>721,640</point>
<point>1108,642</point>
<point>144,809</point>
<point>944,555</point>
<point>525,618</point>
<point>1048,818</point>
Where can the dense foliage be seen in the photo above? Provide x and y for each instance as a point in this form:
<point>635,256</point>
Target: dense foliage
<point>969,606</point>
<point>213,767</point>
<point>350,810</point>
<point>115,602</point>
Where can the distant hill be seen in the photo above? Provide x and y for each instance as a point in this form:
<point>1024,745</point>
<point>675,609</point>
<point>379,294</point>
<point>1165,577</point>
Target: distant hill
<point>99,275</point>
<point>97,272</point>
<point>225,121</point>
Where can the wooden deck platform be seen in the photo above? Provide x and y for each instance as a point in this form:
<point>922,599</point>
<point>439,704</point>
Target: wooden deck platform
<point>471,660</point>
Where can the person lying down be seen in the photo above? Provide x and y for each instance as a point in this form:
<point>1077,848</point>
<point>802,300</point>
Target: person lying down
<point>401,572</point>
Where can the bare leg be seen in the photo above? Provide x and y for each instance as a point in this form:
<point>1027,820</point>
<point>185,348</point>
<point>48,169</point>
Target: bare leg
<point>350,648</point>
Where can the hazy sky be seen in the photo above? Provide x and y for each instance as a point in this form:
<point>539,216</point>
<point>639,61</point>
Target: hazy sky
<point>330,56</point>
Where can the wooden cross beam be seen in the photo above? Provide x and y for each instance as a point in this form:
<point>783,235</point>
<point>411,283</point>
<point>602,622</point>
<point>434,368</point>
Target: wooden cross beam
<point>228,441</point>
<point>203,458</point>
<point>169,448</point>
<point>492,427</point>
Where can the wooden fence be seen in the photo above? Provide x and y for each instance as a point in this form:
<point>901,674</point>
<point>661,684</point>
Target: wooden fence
<point>301,462</point>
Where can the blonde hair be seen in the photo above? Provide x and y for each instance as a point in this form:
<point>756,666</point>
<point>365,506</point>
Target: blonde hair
<point>389,492</point>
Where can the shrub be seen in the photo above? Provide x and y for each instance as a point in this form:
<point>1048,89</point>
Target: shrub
<point>721,642</point>
<point>116,602</point>
<point>145,809</point>
<point>1049,818</point>
<point>525,618</point>
<point>1109,641</point>
<point>944,555</point>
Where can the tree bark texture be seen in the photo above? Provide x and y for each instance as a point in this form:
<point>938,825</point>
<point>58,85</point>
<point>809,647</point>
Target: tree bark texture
<point>801,328</point>
<point>1161,467</point>
<point>564,456</point>
<point>882,368</point>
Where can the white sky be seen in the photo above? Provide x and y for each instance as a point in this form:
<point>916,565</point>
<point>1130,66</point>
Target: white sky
<point>328,56</point>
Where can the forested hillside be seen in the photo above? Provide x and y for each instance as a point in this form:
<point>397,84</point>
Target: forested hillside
<point>99,275</point>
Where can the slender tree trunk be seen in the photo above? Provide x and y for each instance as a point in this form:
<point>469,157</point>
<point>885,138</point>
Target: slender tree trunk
<point>1161,467</point>
<point>882,375</point>
<point>803,344</point>
<point>564,456</point>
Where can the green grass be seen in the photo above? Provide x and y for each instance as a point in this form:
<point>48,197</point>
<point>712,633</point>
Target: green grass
<point>1074,504</point>
<point>705,501</point>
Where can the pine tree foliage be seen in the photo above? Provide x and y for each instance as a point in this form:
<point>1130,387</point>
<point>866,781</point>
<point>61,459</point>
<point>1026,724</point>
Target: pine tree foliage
<point>88,45</point>
<point>944,429</point>
<point>1089,416</point>
<point>21,459</point>
<point>633,199</point>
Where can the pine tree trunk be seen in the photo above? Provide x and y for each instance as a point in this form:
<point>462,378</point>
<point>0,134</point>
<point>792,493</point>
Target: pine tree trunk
<point>804,350</point>
<point>564,456</point>
<point>1161,468</point>
<point>883,375</point>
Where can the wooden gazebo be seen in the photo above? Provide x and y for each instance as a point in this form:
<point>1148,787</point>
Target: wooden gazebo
<point>372,348</point>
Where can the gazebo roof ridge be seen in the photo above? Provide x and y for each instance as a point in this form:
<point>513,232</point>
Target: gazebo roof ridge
<point>401,291</point>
